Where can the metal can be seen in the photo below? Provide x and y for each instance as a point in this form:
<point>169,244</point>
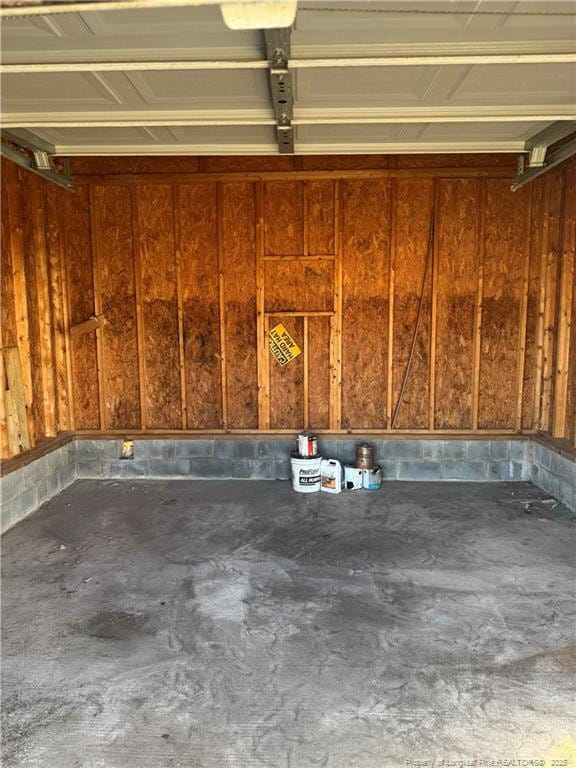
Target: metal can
<point>364,456</point>
<point>307,444</point>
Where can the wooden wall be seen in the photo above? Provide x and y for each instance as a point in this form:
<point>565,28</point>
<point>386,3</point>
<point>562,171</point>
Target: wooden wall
<point>553,297</point>
<point>425,296</point>
<point>34,401</point>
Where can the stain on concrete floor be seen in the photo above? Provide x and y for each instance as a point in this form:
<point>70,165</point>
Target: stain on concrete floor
<point>217,625</point>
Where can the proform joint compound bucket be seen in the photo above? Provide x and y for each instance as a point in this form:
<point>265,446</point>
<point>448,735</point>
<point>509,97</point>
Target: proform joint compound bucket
<point>306,473</point>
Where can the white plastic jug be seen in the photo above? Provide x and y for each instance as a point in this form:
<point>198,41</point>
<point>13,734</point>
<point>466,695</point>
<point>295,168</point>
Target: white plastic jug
<point>331,476</point>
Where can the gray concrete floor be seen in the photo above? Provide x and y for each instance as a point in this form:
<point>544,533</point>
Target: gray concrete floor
<point>237,624</point>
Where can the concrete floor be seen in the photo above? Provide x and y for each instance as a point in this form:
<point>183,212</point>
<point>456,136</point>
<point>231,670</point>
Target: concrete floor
<point>237,624</point>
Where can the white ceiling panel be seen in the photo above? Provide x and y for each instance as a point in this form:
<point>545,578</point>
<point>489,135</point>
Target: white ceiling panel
<point>438,86</point>
<point>533,83</point>
<point>184,32</point>
<point>402,132</point>
<point>209,140</point>
<point>246,89</point>
<point>505,131</point>
<point>462,24</point>
<point>370,86</point>
<point>176,79</point>
<point>52,92</point>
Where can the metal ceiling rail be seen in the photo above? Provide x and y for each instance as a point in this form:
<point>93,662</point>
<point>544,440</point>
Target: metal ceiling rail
<point>39,161</point>
<point>538,144</point>
<point>555,158</point>
<point>306,63</point>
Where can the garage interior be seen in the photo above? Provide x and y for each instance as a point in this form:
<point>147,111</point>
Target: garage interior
<point>395,184</point>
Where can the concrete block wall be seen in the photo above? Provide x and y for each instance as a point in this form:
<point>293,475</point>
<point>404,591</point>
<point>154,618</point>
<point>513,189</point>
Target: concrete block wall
<point>24,490</point>
<point>268,458</point>
<point>554,473</point>
<point>248,459</point>
<point>474,460</point>
<point>27,488</point>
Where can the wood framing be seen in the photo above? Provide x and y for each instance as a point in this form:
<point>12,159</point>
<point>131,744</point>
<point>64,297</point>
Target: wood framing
<point>146,299</point>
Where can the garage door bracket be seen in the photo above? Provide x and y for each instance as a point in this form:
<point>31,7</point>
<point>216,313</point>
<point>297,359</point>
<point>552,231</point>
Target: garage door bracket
<point>281,91</point>
<point>28,151</point>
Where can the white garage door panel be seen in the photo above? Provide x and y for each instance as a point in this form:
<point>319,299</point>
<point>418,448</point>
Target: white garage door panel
<point>537,83</point>
<point>220,134</point>
<point>351,108</point>
<point>356,134</point>
<point>388,30</point>
<point>78,136</point>
<point>349,134</point>
<point>480,131</point>
<point>203,140</point>
<point>58,91</point>
<point>437,86</point>
<point>196,90</point>
<point>366,86</point>
<point>187,32</point>
<point>25,32</point>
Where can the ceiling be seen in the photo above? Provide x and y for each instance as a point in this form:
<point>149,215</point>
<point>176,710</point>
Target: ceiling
<point>367,77</point>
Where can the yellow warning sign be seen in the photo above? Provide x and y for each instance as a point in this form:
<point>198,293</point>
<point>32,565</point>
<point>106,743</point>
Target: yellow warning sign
<point>282,345</point>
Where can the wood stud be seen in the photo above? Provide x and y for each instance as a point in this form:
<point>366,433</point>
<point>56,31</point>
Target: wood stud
<point>479,303</point>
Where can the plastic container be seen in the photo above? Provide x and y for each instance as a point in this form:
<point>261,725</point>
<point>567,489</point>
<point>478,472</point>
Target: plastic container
<point>353,478</point>
<point>306,473</point>
<point>331,471</point>
<point>372,478</point>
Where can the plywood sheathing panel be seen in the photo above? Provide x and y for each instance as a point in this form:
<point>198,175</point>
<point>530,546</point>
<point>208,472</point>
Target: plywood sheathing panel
<point>504,261</point>
<point>318,338</point>
<point>565,390</point>
<point>127,165</point>
<point>283,218</point>
<point>412,212</point>
<point>365,243</point>
<point>18,228</point>
<point>550,276</point>
<point>382,223</point>
<point>343,162</point>
<point>246,164</point>
<point>197,231</point>
<point>239,273</point>
<point>456,160</point>
<point>457,259</point>
<point>7,319</point>
<point>34,245</point>
<point>113,252</point>
<point>319,217</point>
<point>287,382</point>
<point>55,244</point>
<point>83,166</point>
<point>159,305</point>
<point>299,285</point>
<point>17,410</point>
<point>80,288</point>
<point>529,415</point>
<point>7,311</point>
<point>571,405</point>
